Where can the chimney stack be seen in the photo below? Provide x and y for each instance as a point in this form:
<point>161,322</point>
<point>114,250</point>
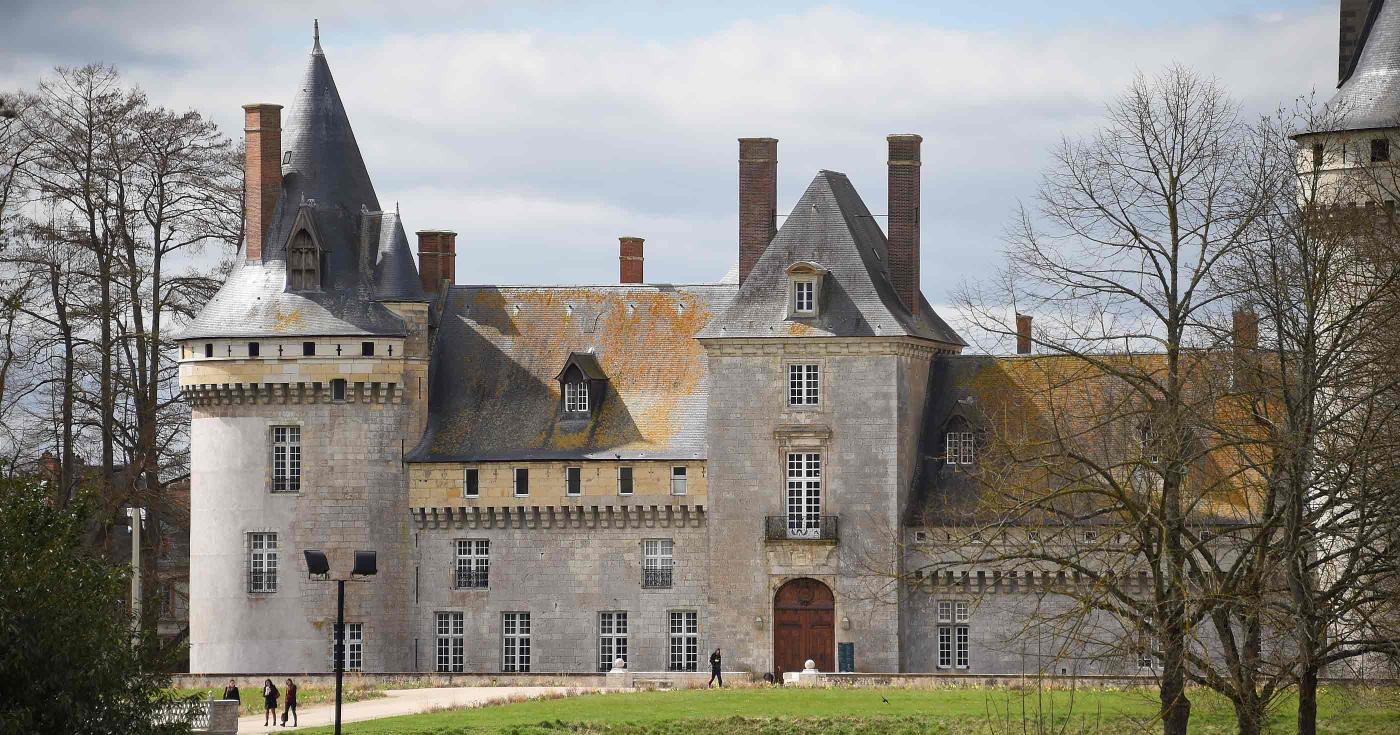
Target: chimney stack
<point>1023,334</point>
<point>903,218</point>
<point>758,199</point>
<point>629,256</point>
<point>1244,330</point>
<point>262,173</point>
<point>437,260</point>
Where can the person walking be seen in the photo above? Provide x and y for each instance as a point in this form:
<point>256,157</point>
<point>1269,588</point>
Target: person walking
<point>231,691</point>
<point>269,703</point>
<point>291,706</point>
<point>714,670</point>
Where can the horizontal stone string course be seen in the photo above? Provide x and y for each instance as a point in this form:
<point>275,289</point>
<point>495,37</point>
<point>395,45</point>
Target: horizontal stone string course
<point>561,516</point>
<point>290,393</point>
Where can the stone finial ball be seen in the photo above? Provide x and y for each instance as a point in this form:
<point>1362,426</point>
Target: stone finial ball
<point>810,664</point>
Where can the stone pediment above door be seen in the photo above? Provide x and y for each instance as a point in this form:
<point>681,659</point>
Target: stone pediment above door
<point>802,435</point>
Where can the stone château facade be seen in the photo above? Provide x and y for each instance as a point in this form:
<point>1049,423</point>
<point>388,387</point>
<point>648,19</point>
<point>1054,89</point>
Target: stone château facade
<point>555,477</point>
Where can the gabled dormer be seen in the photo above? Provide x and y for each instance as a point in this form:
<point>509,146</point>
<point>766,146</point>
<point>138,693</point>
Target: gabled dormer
<point>805,280</point>
<point>305,256</point>
<point>582,386</point>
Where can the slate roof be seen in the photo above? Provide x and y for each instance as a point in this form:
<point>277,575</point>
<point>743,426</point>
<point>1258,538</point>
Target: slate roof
<point>829,225</point>
<point>499,350</point>
<point>1369,94</point>
<point>367,256</point>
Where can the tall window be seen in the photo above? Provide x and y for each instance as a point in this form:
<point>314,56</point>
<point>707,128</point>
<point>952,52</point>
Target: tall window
<point>624,480</point>
<point>685,641</point>
<point>804,499</point>
<point>515,641</point>
<point>286,459</point>
<point>960,446</point>
<point>804,297</point>
<point>658,563</point>
<point>678,480</point>
<point>953,634</point>
<point>522,482</point>
<point>354,647</point>
<point>804,385</point>
<point>451,641</point>
<point>612,639</point>
<point>471,483</point>
<point>576,397</point>
<point>262,562</point>
<point>303,263</point>
<point>473,567</point>
<point>573,481</point>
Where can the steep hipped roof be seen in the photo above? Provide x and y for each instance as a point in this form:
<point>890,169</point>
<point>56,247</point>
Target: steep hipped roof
<point>1369,95</point>
<point>366,256</point>
<point>494,393</point>
<point>830,225</point>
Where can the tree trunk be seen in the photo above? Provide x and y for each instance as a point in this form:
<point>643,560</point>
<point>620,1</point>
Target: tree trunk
<point>1307,700</point>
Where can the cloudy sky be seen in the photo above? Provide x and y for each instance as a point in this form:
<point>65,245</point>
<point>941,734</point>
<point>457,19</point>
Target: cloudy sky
<point>540,131</point>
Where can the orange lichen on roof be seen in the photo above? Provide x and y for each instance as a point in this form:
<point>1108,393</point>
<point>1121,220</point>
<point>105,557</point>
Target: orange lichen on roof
<point>286,320</point>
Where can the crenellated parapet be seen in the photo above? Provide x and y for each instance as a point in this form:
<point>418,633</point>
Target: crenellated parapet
<point>227,394</point>
<point>560,517</point>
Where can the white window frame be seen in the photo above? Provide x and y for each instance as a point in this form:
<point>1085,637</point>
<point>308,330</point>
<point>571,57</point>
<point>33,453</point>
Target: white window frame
<point>471,476</point>
<point>354,647</point>
<point>804,494</point>
<point>960,447</point>
<point>658,563</point>
<point>954,634</point>
<point>945,646</point>
<point>612,638</point>
<point>286,459</point>
<point>472,563</point>
<point>515,641</point>
<point>631,480</point>
<point>515,475</point>
<point>683,651</point>
<point>262,562</point>
<point>804,296</point>
<point>680,479</point>
<point>576,396</point>
<point>570,489</point>
<point>451,648</point>
<point>804,384</point>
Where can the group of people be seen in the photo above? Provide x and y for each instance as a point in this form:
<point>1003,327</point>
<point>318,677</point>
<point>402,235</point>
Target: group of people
<point>270,696</point>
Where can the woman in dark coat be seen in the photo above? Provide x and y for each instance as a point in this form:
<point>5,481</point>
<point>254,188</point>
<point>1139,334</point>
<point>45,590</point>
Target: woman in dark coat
<point>269,703</point>
<point>231,691</point>
<point>291,701</point>
<point>714,670</point>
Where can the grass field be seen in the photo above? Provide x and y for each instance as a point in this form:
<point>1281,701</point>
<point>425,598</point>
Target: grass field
<point>791,711</point>
<point>250,701</point>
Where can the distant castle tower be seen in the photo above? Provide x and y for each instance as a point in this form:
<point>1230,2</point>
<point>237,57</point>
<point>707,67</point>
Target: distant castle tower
<point>304,374</point>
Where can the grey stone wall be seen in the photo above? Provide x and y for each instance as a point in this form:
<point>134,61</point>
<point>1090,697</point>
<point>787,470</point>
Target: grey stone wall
<point>563,578</point>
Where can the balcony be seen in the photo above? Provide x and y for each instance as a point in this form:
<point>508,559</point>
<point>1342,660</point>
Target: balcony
<point>657,577</point>
<point>467,578</point>
<point>800,528</point>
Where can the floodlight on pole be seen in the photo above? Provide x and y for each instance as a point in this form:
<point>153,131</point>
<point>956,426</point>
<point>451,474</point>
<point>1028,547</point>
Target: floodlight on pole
<point>318,567</point>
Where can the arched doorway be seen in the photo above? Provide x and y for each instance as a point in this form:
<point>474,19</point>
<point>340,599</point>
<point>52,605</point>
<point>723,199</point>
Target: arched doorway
<point>804,612</point>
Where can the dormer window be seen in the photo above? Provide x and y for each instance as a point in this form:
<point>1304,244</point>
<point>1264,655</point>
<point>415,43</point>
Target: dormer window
<point>582,385</point>
<point>804,289</point>
<point>576,397</point>
<point>303,264</point>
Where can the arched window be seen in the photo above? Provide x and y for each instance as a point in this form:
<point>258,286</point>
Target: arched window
<point>303,263</point>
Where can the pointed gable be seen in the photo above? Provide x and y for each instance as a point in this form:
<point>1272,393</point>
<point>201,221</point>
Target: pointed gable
<point>830,226</point>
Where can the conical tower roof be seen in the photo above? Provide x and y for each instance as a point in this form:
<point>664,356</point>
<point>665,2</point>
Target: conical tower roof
<point>1369,95</point>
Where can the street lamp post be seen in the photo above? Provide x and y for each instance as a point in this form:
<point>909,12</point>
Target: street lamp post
<point>138,517</point>
<point>317,565</point>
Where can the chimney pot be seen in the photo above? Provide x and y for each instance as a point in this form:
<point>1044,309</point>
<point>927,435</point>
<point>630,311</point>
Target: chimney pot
<point>437,260</point>
<point>1023,334</point>
<point>758,199</point>
<point>262,173</point>
<point>629,256</point>
<point>903,217</point>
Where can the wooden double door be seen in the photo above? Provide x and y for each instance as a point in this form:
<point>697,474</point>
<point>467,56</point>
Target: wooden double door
<point>804,626</point>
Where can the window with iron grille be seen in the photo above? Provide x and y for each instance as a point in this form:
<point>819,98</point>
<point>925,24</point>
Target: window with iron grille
<point>576,397</point>
<point>286,459</point>
<point>960,445</point>
<point>451,641</point>
<point>262,562</point>
<point>612,639</point>
<point>573,480</point>
<point>678,474</point>
<point>354,647</point>
<point>685,641</point>
<point>624,480</point>
<point>515,641</point>
<point>804,297</point>
<point>804,495</point>
<point>658,563</point>
<point>473,563</point>
<point>804,384</point>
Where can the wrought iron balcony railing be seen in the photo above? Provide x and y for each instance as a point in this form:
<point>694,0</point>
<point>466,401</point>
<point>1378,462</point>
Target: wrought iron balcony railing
<point>657,577</point>
<point>801,528</point>
<point>465,577</point>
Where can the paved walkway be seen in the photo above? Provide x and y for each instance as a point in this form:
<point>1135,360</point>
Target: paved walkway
<point>402,702</point>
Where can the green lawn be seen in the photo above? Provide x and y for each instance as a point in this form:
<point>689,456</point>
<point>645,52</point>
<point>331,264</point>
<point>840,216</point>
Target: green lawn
<point>792,711</point>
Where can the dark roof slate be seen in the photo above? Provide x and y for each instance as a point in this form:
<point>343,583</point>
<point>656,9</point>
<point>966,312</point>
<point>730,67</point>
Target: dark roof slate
<point>395,275</point>
<point>500,349</point>
<point>829,225</point>
<point>1369,95</point>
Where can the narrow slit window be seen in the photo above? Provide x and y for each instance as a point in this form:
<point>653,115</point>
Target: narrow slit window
<point>522,482</point>
<point>624,480</point>
<point>678,479</point>
<point>471,483</point>
<point>573,481</point>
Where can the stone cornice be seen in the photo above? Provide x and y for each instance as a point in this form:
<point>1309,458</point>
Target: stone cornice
<point>898,346</point>
<point>560,516</point>
<point>233,394</point>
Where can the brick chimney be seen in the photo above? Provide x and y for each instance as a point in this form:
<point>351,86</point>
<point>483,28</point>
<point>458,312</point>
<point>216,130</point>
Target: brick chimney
<point>629,256</point>
<point>1023,334</point>
<point>758,199</point>
<point>903,220</point>
<point>262,173</point>
<point>437,260</point>
<point>1244,330</point>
